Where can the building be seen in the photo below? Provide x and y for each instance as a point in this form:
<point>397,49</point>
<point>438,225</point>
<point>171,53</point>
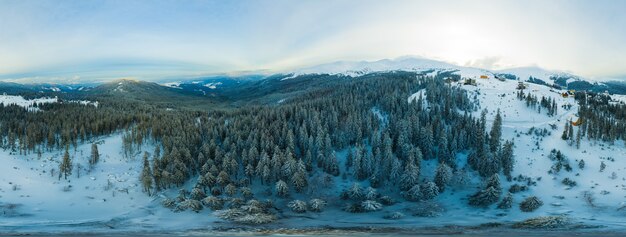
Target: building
<point>470,81</point>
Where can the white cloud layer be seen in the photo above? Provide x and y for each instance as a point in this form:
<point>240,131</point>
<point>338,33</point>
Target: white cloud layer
<point>83,38</point>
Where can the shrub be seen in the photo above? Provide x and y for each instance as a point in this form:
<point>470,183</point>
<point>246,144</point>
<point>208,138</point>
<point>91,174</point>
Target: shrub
<point>568,182</point>
<point>393,216</point>
<point>370,205</point>
<point>214,203</point>
<point>317,205</point>
<point>297,206</point>
<point>530,204</point>
<point>507,202</point>
<point>168,203</point>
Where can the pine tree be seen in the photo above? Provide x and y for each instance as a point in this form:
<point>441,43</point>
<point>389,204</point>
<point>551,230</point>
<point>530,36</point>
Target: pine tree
<point>429,190</point>
<point>489,195</point>
<point>442,176</point>
<point>565,131</point>
<point>507,159</point>
<point>490,165</point>
<point>570,133</point>
<point>578,137</point>
<point>282,190</point>
<point>299,179</point>
<point>65,168</point>
<point>410,176</point>
<point>507,202</point>
<point>496,133</point>
<point>95,156</point>
<point>146,175</point>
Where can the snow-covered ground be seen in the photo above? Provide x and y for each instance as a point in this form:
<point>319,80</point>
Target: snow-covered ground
<point>418,64</point>
<point>531,156</point>
<point>213,85</point>
<point>108,198</point>
<point>17,100</point>
<point>175,85</point>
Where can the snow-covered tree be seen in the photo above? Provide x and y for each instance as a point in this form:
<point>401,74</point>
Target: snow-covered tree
<point>146,175</point>
<point>485,197</point>
<point>299,178</point>
<point>530,204</point>
<point>371,193</point>
<point>414,193</point>
<point>507,202</point>
<point>496,133</point>
<point>95,156</point>
<point>371,205</point>
<point>429,190</point>
<point>214,203</point>
<point>442,176</point>
<point>581,164</point>
<point>355,192</point>
<point>410,176</point>
<point>506,159</point>
<point>317,205</point>
<point>297,206</point>
<point>65,167</point>
<point>282,190</point>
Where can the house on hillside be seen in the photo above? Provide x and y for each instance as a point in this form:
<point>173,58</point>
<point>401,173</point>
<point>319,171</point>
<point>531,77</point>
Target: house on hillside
<point>469,81</point>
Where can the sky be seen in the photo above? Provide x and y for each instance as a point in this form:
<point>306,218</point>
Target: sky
<point>76,40</point>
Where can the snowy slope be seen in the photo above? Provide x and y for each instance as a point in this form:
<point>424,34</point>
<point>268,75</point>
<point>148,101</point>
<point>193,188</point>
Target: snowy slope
<point>532,160</point>
<point>358,68</point>
<point>20,101</point>
<point>107,198</point>
<point>413,64</point>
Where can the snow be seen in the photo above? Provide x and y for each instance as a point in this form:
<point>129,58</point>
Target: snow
<point>412,64</point>
<point>109,197</point>
<point>533,162</point>
<point>17,100</point>
<point>43,205</point>
<point>417,64</point>
<point>7,100</point>
<point>213,85</point>
<point>175,85</point>
<point>415,96</point>
<point>523,73</point>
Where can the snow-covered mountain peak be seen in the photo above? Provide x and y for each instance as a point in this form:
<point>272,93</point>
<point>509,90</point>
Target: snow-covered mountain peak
<point>418,64</point>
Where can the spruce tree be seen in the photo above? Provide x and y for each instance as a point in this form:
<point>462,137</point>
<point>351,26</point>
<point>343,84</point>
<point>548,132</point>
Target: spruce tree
<point>506,159</point>
<point>146,175</point>
<point>442,176</point>
<point>496,133</point>
<point>65,168</point>
<point>95,156</point>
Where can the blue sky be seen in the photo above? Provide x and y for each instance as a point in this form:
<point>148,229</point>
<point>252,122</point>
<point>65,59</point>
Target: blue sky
<point>44,40</point>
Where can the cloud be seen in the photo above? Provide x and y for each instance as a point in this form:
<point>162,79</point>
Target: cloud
<point>494,63</point>
<point>46,36</point>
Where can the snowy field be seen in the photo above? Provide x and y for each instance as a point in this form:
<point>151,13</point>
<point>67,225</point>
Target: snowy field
<point>17,100</point>
<point>107,198</point>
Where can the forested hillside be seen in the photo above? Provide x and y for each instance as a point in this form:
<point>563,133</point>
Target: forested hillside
<point>396,143</point>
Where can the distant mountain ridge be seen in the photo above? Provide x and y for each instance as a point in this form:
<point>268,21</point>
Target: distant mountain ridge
<point>210,85</point>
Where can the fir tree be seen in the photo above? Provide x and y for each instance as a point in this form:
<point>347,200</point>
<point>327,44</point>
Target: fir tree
<point>282,190</point>
<point>506,159</point>
<point>65,168</point>
<point>442,176</point>
<point>496,133</point>
<point>146,175</point>
<point>95,156</point>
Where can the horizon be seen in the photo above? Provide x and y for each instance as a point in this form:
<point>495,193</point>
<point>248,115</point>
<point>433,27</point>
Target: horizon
<point>75,41</point>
